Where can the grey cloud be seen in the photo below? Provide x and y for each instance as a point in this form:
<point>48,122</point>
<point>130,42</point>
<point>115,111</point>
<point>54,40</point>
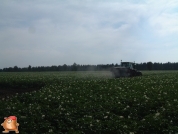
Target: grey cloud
<point>63,32</point>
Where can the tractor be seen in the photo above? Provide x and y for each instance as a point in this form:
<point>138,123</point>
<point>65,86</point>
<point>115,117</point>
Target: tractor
<point>125,70</point>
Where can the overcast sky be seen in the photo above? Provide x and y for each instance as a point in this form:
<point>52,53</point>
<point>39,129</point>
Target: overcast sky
<point>57,32</point>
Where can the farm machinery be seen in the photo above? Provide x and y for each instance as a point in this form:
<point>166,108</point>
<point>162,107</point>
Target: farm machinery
<point>125,70</point>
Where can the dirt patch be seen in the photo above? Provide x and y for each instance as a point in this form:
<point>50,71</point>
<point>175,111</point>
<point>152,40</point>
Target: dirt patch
<point>11,91</point>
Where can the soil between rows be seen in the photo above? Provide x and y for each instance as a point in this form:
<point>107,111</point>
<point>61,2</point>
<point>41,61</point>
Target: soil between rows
<point>5,92</point>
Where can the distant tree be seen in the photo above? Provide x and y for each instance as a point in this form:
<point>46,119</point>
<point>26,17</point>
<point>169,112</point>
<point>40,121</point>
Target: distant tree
<point>116,65</point>
<point>29,68</point>
<point>25,69</point>
<point>99,67</point>
<point>149,65</point>
<point>15,68</point>
<point>54,68</point>
<point>64,67</point>
<point>59,68</point>
<point>74,67</point>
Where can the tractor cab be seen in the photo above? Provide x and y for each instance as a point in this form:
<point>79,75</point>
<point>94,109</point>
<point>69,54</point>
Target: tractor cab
<point>126,69</point>
<point>127,64</point>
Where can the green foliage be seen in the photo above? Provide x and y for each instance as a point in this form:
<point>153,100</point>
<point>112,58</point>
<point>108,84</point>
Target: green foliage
<point>93,102</point>
<point>99,67</point>
<point>149,65</point>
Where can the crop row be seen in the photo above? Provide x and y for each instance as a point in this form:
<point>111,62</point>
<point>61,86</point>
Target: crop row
<point>95,103</point>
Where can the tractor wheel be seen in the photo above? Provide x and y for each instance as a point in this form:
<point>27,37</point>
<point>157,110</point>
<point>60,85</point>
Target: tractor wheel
<point>139,74</point>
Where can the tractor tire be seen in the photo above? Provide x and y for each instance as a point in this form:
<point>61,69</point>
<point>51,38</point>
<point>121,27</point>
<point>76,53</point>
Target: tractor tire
<point>139,74</point>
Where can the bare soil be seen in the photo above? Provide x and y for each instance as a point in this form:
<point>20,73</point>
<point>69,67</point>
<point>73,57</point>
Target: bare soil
<point>11,91</point>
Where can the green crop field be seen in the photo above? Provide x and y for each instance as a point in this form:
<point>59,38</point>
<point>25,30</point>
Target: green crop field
<point>92,102</point>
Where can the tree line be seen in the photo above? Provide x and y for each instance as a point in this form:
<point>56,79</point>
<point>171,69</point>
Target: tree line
<point>99,67</point>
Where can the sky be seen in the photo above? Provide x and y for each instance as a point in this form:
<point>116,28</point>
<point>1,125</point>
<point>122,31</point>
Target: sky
<point>58,32</point>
